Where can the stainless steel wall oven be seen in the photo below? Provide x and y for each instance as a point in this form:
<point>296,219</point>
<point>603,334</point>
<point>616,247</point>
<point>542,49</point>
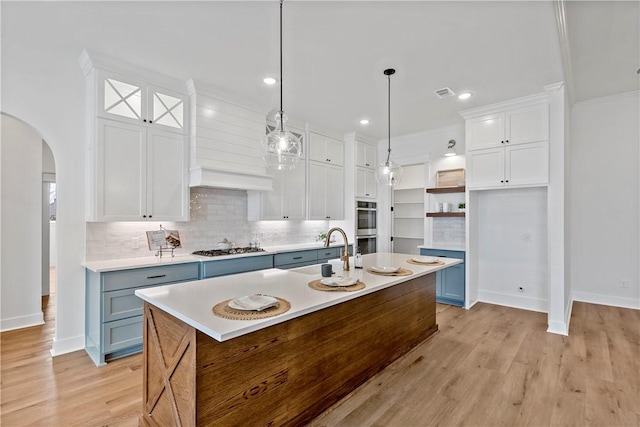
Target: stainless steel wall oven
<point>366,226</point>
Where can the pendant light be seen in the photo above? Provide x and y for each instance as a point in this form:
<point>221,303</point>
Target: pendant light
<point>281,149</point>
<point>389,172</point>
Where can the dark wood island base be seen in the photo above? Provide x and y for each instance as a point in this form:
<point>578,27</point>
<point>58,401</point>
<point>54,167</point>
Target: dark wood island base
<point>285,374</point>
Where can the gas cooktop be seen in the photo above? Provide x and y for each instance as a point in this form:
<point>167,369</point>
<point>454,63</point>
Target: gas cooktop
<point>232,251</point>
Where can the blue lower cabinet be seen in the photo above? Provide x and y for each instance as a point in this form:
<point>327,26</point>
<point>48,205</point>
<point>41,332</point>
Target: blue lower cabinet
<point>113,314</point>
<point>295,259</point>
<point>450,282</point>
<point>288,260</point>
<point>225,267</point>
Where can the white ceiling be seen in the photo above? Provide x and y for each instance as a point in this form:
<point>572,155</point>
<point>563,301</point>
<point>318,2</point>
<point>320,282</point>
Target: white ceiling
<point>335,51</point>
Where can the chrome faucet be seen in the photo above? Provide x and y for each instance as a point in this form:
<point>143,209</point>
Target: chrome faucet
<point>345,255</point>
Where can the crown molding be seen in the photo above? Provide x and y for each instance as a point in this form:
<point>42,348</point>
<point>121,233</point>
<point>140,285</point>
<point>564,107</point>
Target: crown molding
<point>565,51</point>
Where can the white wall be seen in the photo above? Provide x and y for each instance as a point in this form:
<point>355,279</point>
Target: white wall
<point>604,201</point>
<point>512,249</point>
<point>43,86</point>
<point>21,244</point>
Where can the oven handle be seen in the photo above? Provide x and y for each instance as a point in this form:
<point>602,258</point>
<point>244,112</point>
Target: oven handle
<point>366,236</point>
<point>367,209</point>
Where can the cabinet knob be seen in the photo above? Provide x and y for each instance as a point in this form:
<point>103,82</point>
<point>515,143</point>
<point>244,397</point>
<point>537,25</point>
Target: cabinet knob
<point>150,216</point>
<point>507,141</point>
<point>144,120</point>
<point>144,216</point>
<point>366,194</point>
<point>150,121</point>
<point>502,180</point>
<point>366,164</point>
<point>501,142</point>
<point>507,180</point>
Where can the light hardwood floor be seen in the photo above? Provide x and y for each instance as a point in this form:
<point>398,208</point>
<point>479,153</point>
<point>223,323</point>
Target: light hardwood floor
<point>488,366</point>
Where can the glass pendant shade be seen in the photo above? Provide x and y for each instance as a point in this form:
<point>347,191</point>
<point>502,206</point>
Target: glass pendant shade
<point>389,173</point>
<point>281,149</point>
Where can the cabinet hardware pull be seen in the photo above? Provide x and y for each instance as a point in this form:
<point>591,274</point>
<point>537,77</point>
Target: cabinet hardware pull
<point>144,120</point>
<point>144,216</point>
<point>501,142</point>
<point>156,277</point>
<point>507,141</point>
<point>366,164</point>
<point>150,216</point>
<point>502,180</point>
<point>297,257</point>
<point>507,181</point>
<point>150,121</point>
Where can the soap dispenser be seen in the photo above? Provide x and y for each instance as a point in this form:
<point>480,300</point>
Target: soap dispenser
<point>358,259</point>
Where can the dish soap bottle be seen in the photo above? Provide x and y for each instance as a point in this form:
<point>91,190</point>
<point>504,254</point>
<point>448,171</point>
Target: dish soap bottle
<point>358,259</point>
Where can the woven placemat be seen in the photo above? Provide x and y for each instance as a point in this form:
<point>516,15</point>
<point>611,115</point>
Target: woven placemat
<point>223,310</point>
<point>401,272</point>
<point>426,264</point>
<point>318,286</point>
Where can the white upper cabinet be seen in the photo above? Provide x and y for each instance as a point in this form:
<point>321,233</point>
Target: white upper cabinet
<point>326,191</point>
<point>325,149</point>
<point>508,147</point>
<point>366,185</point>
<point>137,164</point>
<point>287,200</point>
<point>365,155</point>
<point>129,100</point>
<point>366,163</point>
<point>517,126</point>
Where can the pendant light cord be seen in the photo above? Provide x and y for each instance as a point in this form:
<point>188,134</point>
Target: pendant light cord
<point>389,72</point>
<point>281,109</point>
<point>389,120</point>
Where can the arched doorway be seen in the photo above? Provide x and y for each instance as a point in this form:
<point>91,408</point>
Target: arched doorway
<point>26,173</point>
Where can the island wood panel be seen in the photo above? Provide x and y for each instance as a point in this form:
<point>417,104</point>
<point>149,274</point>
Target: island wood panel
<point>289,373</point>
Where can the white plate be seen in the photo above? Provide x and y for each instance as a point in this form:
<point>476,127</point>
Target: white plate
<point>425,259</point>
<point>253,302</point>
<point>339,281</point>
<point>383,269</point>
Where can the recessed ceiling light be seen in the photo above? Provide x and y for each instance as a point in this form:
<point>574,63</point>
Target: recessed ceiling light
<point>269,80</point>
<point>464,95</point>
<point>364,122</point>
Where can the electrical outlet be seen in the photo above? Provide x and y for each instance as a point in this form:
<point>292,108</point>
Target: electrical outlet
<point>624,283</point>
<point>135,242</point>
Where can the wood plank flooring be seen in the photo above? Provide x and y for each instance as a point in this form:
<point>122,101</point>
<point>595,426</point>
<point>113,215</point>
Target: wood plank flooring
<point>488,366</point>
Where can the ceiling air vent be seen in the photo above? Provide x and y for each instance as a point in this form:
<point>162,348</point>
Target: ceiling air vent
<point>445,92</point>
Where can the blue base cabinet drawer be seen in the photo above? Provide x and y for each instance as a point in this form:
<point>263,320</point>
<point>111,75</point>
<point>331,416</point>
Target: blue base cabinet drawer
<point>450,282</point>
<point>137,277</point>
<point>122,334</point>
<point>299,258</point>
<point>233,266</point>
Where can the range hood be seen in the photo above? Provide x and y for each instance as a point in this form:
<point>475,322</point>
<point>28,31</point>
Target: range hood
<point>225,141</point>
<point>208,177</point>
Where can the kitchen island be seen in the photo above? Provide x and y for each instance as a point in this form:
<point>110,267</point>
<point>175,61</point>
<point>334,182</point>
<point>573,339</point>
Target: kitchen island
<point>201,369</point>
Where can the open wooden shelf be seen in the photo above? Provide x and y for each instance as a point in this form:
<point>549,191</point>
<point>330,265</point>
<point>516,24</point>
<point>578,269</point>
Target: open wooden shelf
<point>460,189</point>
<point>445,214</point>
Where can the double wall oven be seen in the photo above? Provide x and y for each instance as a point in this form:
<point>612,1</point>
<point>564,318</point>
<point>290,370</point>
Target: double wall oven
<point>366,226</point>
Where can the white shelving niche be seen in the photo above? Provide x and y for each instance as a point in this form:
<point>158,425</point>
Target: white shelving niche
<point>408,210</point>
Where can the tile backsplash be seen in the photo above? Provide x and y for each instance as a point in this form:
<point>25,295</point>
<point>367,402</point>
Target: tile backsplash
<point>449,231</point>
<point>215,214</point>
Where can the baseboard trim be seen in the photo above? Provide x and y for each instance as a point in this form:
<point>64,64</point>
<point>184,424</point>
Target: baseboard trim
<point>606,300</point>
<point>22,322</point>
<point>67,345</point>
<point>524,303</point>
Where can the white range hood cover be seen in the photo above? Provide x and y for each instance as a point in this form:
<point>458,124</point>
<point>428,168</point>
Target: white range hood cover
<point>207,177</point>
<point>226,135</point>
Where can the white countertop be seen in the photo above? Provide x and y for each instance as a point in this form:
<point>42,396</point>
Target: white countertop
<point>192,302</point>
<point>151,261</point>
